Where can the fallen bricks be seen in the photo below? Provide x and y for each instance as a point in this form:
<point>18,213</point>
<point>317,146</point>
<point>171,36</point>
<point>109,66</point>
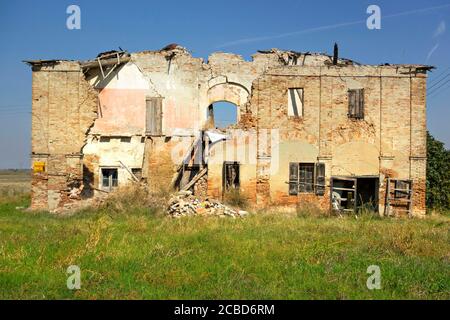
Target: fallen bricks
<point>184,203</point>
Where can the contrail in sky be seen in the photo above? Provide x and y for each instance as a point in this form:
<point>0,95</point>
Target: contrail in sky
<point>327,27</point>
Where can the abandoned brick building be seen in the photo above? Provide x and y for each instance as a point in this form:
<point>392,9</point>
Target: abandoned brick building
<point>310,128</point>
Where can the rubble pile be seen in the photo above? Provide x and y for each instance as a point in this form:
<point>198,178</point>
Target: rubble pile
<point>184,203</point>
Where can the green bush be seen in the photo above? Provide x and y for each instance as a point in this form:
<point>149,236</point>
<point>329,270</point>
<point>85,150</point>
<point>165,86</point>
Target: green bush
<point>438,174</point>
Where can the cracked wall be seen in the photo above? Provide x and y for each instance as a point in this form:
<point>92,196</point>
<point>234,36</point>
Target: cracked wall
<point>99,122</point>
<point>64,109</point>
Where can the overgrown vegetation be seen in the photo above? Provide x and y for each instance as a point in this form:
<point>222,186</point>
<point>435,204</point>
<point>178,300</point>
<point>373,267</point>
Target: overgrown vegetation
<point>135,198</point>
<point>438,174</point>
<point>126,248</point>
<point>236,198</point>
<point>127,251</point>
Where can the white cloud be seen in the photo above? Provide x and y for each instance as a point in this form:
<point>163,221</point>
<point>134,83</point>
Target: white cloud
<point>440,29</point>
<point>430,53</point>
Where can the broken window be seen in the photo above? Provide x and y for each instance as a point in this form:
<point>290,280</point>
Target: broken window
<point>231,179</point>
<point>153,121</point>
<point>356,103</point>
<point>301,178</point>
<point>343,194</point>
<point>295,102</point>
<point>109,178</point>
<point>402,189</point>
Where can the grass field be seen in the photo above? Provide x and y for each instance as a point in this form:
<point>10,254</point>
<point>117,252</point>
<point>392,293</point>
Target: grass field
<point>135,253</point>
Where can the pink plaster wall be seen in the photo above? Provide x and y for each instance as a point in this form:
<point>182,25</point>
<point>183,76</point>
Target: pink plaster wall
<point>121,112</point>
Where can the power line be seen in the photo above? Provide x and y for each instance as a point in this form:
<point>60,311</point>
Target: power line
<point>436,83</point>
<point>439,75</point>
<point>431,97</point>
<point>437,89</point>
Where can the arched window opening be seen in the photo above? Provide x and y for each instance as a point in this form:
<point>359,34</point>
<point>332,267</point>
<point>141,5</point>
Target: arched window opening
<point>222,114</point>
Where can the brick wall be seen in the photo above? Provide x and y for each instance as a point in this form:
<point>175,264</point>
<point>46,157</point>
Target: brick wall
<point>64,107</point>
<point>389,141</point>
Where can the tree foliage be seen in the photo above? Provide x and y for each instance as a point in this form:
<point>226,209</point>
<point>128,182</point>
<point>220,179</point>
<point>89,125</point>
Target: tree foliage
<point>438,174</point>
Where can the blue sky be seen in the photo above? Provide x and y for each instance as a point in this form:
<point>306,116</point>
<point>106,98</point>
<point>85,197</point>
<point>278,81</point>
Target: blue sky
<point>37,30</point>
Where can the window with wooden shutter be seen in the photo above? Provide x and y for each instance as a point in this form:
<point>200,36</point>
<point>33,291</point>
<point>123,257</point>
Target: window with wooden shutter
<point>293,178</point>
<point>153,121</point>
<point>295,102</point>
<point>320,179</point>
<point>356,103</point>
<point>306,177</point>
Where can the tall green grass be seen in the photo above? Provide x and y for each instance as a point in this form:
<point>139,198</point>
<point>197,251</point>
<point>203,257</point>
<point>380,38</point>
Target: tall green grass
<point>127,251</point>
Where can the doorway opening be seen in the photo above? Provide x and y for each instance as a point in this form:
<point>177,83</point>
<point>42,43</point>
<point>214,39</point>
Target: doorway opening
<point>354,194</point>
<point>231,176</point>
<point>222,114</point>
<point>367,194</point>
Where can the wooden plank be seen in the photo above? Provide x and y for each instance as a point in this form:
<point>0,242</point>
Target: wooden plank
<point>195,179</point>
<point>148,115</point>
<point>129,171</point>
<point>293,178</point>
<point>320,179</point>
<point>345,179</point>
<point>158,116</point>
<point>344,189</point>
<point>153,120</point>
<point>351,102</point>
<point>410,206</point>
<point>104,62</point>
<point>361,104</point>
<point>388,199</point>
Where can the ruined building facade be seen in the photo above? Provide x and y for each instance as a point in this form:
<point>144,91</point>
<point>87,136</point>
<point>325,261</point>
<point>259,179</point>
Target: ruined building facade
<point>310,129</point>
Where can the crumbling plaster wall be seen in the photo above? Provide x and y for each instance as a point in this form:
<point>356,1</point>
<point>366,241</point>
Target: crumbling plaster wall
<point>69,111</point>
<point>383,143</point>
<point>188,86</point>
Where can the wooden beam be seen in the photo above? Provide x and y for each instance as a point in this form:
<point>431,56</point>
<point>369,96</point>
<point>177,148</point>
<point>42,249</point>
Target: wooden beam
<point>195,179</point>
<point>105,62</point>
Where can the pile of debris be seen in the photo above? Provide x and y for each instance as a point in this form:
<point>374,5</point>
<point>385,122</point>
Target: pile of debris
<point>184,203</point>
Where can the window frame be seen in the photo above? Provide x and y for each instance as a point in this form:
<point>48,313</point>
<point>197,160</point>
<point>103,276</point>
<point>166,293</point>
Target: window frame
<point>402,189</point>
<point>111,185</point>
<point>224,174</point>
<point>292,102</point>
<point>296,185</point>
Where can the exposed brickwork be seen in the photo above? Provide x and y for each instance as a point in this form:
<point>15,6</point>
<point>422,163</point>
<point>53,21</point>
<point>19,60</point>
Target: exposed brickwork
<point>389,142</point>
<point>64,108</point>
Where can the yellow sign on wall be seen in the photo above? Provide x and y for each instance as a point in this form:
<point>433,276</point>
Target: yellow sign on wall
<point>38,166</point>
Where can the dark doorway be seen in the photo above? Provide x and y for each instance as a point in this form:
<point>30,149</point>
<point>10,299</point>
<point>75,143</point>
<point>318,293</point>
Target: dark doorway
<point>230,175</point>
<point>367,194</point>
<point>353,194</point>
